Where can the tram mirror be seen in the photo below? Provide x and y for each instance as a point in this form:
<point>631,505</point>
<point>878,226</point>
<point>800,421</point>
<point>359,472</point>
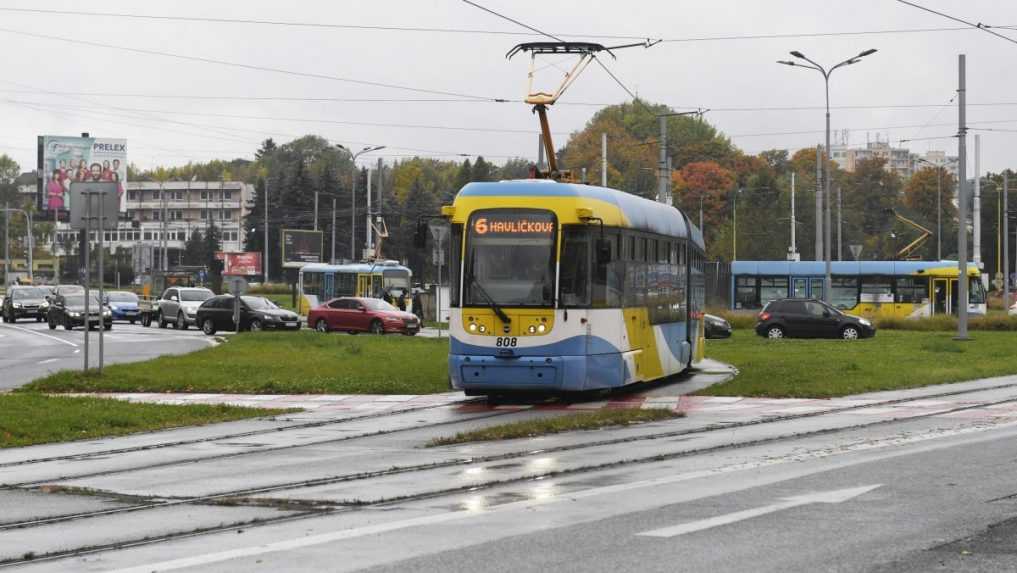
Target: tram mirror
<point>420,235</point>
<point>603,250</point>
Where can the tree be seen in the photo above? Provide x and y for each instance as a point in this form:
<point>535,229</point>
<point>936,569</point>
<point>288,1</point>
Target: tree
<point>213,245</point>
<point>9,170</point>
<point>267,147</point>
<point>482,170</point>
<point>704,181</point>
<point>194,249</point>
<point>868,196</point>
<point>418,201</point>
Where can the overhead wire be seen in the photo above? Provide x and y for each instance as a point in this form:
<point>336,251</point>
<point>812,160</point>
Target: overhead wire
<point>448,30</point>
<point>979,26</point>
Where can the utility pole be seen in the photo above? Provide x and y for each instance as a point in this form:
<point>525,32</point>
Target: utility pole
<point>962,204</point>
<point>662,183</point>
<point>792,253</point>
<point>839,222</point>
<point>353,213</point>
<point>315,210</point>
<point>976,209</point>
<point>7,246</point>
<point>1006,241</point>
<point>333,229</point>
<point>603,159</point>
<point>819,202</point>
<point>369,242</point>
<point>265,261</point>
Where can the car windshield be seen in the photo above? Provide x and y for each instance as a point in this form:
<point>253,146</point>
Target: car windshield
<point>258,303</point>
<point>79,300</point>
<point>122,297</point>
<point>26,293</point>
<point>195,295</point>
<point>376,304</point>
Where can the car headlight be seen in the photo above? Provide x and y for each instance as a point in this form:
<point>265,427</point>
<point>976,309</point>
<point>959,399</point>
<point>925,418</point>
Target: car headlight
<point>864,321</point>
<point>17,305</point>
<point>107,313</point>
<point>191,311</point>
<point>75,314</point>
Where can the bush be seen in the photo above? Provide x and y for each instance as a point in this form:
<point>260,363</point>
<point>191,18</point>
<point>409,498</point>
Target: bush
<point>739,319</point>
<point>271,288</point>
<point>996,322</point>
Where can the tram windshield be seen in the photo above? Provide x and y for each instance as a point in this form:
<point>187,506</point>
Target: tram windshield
<point>510,258</point>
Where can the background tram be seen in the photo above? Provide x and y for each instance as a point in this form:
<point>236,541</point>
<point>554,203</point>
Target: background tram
<point>566,287</point>
<point>320,282</point>
<point>904,289</point>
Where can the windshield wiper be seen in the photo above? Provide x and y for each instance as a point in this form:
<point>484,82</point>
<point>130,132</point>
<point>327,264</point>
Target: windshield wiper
<point>494,306</point>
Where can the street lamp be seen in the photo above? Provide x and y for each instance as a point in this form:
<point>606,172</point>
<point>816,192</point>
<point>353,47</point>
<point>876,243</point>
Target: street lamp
<point>353,190</point>
<point>939,207</point>
<point>826,163</point>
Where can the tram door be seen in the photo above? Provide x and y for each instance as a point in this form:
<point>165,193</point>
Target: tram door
<point>328,289</point>
<point>940,296</point>
<point>364,285</point>
<point>816,288</point>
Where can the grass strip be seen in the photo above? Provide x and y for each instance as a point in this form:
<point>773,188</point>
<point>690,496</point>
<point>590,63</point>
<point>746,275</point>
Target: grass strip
<point>302,362</point>
<point>892,360</point>
<point>558,424</point>
<point>27,419</point>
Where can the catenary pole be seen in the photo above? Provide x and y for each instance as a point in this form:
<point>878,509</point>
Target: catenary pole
<point>265,262</point>
<point>333,229</point>
<point>827,201</point>
<point>794,247</point>
<point>369,241</point>
<point>819,202</point>
<point>976,207</point>
<point>662,162</point>
<point>7,245</point>
<point>1006,240</point>
<point>603,159</point>
<point>315,210</point>
<point>962,203</point>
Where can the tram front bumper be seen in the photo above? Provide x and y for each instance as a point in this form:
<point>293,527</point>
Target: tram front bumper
<point>481,374</point>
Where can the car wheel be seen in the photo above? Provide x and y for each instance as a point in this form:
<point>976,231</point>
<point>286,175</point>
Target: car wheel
<point>67,325</point>
<point>256,325</point>
<point>351,332</point>
<point>38,319</point>
<point>11,318</point>
<point>208,327</point>
<point>376,327</point>
<point>162,323</point>
<point>321,325</point>
<point>52,325</point>
<point>849,333</point>
<point>107,327</point>
<point>181,322</point>
<point>775,332</point>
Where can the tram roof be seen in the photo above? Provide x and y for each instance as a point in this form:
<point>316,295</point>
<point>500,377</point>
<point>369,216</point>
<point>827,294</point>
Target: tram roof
<point>641,214</point>
<point>353,267</point>
<point>817,268</point>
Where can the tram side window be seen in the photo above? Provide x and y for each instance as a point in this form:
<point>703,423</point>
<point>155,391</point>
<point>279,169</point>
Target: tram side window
<point>772,288</point>
<point>912,290</point>
<point>312,284</point>
<point>844,294</point>
<point>574,268</point>
<point>345,284</point>
<point>976,292</point>
<point>745,293</point>
<point>876,289</point>
<point>608,279</point>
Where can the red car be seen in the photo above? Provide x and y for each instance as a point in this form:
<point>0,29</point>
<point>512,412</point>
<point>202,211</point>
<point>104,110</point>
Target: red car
<point>355,315</point>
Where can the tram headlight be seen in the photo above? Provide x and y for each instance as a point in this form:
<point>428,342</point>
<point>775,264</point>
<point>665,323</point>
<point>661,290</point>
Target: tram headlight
<point>541,328</point>
<point>532,329</point>
<point>482,329</point>
<point>472,327</point>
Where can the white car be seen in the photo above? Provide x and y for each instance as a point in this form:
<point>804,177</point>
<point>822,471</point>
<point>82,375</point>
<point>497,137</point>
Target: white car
<point>179,306</point>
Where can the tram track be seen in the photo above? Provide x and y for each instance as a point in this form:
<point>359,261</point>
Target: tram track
<point>392,471</point>
<point>662,435</point>
<point>340,507</point>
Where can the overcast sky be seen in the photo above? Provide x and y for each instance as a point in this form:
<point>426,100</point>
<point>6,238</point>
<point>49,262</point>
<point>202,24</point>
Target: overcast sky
<point>910,69</point>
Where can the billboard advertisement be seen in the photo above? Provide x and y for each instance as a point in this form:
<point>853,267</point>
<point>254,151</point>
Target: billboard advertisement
<point>301,247</point>
<point>64,160</point>
<point>241,264</point>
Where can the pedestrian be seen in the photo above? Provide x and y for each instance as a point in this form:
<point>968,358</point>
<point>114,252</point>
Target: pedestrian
<point>418,309</point>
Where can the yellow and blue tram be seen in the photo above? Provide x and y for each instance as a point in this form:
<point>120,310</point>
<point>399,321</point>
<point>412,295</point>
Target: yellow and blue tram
<point>568,287</point>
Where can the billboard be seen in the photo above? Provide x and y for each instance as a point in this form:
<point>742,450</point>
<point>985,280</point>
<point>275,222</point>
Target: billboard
<point>243,264</point>
<point>301,247</point>
<point>64,160</point>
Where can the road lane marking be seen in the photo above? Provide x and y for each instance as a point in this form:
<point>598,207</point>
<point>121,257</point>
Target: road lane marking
<point>48,360</point>
<point>834,496</point>
<point>49,336</point>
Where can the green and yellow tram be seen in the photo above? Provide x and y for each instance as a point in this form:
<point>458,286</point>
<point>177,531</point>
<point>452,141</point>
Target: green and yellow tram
<point>320,282</point>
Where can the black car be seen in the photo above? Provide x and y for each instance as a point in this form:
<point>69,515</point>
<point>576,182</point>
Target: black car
<point>68,310</point>
<point>716,327</point>
<point>810,318</point>
<point>256,313</point>
<point>25,302</point>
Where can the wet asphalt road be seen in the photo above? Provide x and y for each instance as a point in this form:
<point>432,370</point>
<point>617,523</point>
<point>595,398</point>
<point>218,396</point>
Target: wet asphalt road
<point>29,349</point>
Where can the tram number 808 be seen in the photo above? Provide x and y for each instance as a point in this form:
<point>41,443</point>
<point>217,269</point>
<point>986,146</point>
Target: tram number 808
<point>506,342</point>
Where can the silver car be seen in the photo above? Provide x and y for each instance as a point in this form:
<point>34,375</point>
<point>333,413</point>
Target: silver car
<point>179,306</point>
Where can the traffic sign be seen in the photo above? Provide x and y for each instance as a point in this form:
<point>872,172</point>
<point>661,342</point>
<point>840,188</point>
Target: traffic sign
<point>238,285</point>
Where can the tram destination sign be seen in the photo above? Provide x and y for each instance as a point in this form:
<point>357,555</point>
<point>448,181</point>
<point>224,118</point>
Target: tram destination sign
<point>300,247</point>
<point>513,224</point>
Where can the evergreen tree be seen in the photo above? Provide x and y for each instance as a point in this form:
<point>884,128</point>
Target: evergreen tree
<point>419,201</point>
<point>482,170</point>
<point>463,176</point>
<point>213,245</point>
<point>194,249</point>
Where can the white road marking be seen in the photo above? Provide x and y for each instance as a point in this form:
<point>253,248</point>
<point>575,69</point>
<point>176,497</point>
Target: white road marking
<point>49,336</point>
<point>48,360</point>
<point>834,496</point>
<point>353,533</point>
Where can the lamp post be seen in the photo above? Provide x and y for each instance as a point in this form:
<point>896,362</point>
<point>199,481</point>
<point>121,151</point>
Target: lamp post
<point>353,191</point>
<point>826,161</point>
<point>939,207</point>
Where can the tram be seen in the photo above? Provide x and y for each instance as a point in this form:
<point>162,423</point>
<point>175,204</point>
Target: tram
<point>560,287</point>
<point>320,282</point>
<point>902,289</point>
